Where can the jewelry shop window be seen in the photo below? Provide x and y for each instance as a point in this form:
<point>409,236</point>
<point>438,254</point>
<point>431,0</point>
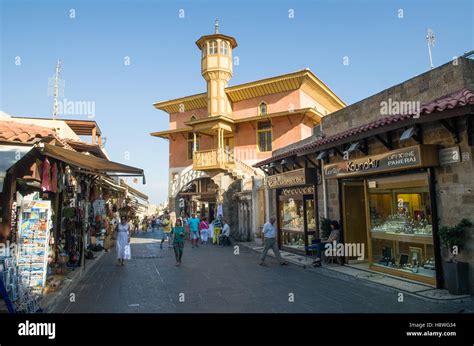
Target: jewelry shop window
<point>292,223</point>
<point>401,226</point>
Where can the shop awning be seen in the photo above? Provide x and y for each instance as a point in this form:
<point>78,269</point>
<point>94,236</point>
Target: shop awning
<point>133,191</point>
<point>89,163</point>
<point>112,185</point>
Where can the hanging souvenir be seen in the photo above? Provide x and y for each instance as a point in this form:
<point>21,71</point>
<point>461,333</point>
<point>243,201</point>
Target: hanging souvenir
<point>54,178</point>
<point>61,182</point>
<point>46,177</point>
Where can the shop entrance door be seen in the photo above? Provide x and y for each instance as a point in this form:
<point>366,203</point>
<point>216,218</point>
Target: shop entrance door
<point>309,220</point>
<point>354,216</point>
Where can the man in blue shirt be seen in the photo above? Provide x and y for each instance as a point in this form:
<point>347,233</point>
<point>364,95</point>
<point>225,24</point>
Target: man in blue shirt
<point>269,234</point>
<point>194,228</point>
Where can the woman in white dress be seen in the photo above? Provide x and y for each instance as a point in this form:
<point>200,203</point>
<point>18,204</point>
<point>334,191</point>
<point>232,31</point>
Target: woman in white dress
<point>123,239</point>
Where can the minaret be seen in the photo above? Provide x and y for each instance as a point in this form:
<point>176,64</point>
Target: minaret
<point>216,68</point>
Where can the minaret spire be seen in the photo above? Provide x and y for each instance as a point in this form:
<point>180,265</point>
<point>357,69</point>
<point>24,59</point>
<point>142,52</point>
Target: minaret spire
<point>216,26</point>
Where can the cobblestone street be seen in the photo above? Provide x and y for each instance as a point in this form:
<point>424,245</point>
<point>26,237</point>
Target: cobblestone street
<point>213,279</point>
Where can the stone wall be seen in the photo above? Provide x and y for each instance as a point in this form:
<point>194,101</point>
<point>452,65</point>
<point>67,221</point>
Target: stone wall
<point>230,207</point>
<point>424,88</point>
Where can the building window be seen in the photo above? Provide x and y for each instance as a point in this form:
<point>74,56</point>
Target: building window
<point>224,48</point>
<point>262,108</point>
<point>212,47</point>
<point>193,117</point>
<point>264,136</point>
<point>191,144</point>
<point>204,50</point>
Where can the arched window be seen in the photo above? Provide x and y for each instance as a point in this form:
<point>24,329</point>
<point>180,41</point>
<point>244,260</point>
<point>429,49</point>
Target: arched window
<point>224,48</point>
<point>212,47</point>
<point>262,108</point>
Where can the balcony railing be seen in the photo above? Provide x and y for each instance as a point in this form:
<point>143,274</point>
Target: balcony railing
<point>222,159</point>
<point>211,159</point>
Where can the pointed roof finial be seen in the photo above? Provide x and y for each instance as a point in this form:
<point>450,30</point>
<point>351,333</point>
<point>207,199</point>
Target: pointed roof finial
<point>216,27</point>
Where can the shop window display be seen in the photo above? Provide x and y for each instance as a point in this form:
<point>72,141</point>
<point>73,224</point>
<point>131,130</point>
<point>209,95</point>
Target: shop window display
<point>401,227</point>
<point>292,224</point>
<point>311,221</point>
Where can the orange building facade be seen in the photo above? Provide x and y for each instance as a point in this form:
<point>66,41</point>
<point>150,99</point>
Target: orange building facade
<point>215,137</point>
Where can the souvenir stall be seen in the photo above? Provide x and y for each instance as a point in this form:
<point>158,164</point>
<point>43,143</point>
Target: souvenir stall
<point>33,192</point>
<point>59,208</point>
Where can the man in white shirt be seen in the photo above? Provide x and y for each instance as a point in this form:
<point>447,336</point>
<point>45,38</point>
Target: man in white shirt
<point>225,240</point>
<point>269,235</point>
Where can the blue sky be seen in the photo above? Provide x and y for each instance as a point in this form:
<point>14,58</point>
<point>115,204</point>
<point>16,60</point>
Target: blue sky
<point>383,50</point>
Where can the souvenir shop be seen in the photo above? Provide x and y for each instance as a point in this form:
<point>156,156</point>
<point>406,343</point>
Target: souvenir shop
<point>297,213</point>
<point>61,212</point>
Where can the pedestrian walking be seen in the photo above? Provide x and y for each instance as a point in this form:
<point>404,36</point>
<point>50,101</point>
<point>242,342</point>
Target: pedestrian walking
<point>269,234</point>
<point>136,222</point>
<point>178,234</point>
<point>186,226</point>
<point>123,240</point>
<point>194,228</point>
<point>167,229</point>
<point>204,228</point>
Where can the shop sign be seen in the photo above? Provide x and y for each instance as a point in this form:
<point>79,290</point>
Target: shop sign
<point>297,177</point>
<point>396,160</point>
<point>448,156</point>
<point>304,190</point>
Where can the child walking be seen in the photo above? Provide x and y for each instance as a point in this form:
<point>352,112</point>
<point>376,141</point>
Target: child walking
<point>204,227</point>
<point>178,233</point>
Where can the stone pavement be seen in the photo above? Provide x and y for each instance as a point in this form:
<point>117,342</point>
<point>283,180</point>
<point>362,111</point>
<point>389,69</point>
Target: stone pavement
<point>213,279</point>
<point>361,271</point>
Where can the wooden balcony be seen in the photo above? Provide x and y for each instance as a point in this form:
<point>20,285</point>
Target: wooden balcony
<point>212,159</point>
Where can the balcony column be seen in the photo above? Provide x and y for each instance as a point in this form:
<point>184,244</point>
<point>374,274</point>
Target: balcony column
<point>219,145</point>
<point>194,142</point>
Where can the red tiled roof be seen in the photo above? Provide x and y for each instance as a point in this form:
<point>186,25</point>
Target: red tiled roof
<point>24,133</point>
<point>457,99</point>
<point>12,131</point>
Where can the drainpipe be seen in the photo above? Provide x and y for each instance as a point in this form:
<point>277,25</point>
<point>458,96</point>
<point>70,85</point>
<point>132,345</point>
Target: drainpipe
<point>321,164</point>
<point>325,200</point>
<point>267,200</point>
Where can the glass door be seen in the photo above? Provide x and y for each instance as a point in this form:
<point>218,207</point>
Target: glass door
<point>310,220</point>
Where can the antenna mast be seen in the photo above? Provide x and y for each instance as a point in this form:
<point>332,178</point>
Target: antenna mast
<point>430,38</point>
<point>56,90</point>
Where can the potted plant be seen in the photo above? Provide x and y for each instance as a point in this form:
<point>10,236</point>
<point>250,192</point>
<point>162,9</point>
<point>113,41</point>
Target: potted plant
<point>455,272</point>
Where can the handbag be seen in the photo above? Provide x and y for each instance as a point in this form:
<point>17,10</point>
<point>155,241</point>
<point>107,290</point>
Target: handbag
<point>128,254</point>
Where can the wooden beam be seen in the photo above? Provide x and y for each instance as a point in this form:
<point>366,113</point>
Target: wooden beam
<point>295,162</point>
<point>94,135</point>
<point>387,143</point>
<point>307,159</point>
<point>452,126</point>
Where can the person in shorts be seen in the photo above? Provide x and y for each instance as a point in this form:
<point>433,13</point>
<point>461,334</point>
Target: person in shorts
<point>194,228</point>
